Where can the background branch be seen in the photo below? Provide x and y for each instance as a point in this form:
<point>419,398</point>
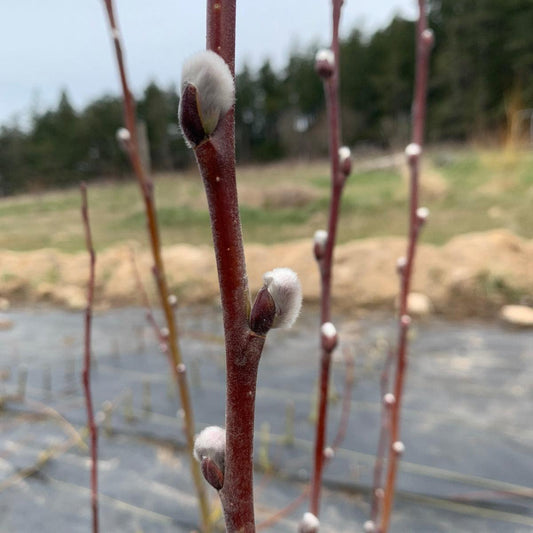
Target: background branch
<point>86,373</point>
<point>331,88</point>
<point>424,41</point>
<point>172,346</point>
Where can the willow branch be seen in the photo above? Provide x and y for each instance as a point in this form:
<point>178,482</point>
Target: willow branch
<point>146,186</point>
<point>331,88</point>
<point>86,373</point>
<point>424,41</point>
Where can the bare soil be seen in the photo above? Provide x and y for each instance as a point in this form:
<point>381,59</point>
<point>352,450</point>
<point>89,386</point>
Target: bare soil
<point>471,275</point>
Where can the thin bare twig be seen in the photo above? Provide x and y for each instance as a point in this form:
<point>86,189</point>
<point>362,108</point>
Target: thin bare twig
<point>147,191</point>
<point>424,41</point>
<point>86,373</point>
<point>331,88</point>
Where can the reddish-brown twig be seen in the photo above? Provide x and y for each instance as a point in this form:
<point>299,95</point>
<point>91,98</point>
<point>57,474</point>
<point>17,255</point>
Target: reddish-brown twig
<point>216,160</point>
<point>424,41</point>
<point>331,88</point>
<point>86,373</point>
<point>207,121</point>
<point>172,346</point>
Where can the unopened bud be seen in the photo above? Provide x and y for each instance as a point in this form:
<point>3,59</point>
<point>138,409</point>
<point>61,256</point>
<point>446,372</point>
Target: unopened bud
<point>329,452</point>
<point>172,300</point>
<point>210,451</point>
<point>413,152</point>
<point>320,241</point>
<point>123,137</point>
<point>284,287</point>
<point>325,63</point>
<point>422,214</point>
<point>329,336</point>
<point>405,321</point>
<point>389,399</point>
<point>369,526</point>
<point>164,332</point>
<point>345,160</point>
<point>207,94</point>
<point>309,524</point>
<point>401,262</point>
<point>398,447</point>
<point>428,37</point>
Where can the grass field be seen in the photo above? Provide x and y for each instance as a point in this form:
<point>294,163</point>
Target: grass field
<point>466,190</point>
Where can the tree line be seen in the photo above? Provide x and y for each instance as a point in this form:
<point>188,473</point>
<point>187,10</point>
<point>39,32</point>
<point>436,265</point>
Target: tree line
<point>481,77</point>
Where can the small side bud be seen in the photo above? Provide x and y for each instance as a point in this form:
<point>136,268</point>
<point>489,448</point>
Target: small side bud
<point>428,38</point>
<point>389,399</point>
<point>369,526</point>
<point>123,137</point>
<point>309,524</point>
<point>164,332</point>
<point>329,452</point>
<point>320,241</point>
<point>210,451</point>
<point>207,94</point>
<point>172,300</point>
<point>345,160</point>
<point>405,321</point>
<point>329,336</point>
<point>422,214</point>
<point>398,447</point>
<point>401,262</point>
<point>325,63</point>
<point>413,151</point>
<point>286,292</point>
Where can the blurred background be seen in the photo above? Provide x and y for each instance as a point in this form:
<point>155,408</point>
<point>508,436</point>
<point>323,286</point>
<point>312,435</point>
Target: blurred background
<point>60,105</point>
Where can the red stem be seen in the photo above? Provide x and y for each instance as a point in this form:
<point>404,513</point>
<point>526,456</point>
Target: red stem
<point>147,191</point>
<point>331,89</point>
<point>216,160</point>
<point>419,113</point>
<point>86,373</point>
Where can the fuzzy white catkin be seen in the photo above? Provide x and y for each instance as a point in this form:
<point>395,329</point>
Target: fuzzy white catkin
<point>328,330</point>
<point>422,212</point>
<point>398,447</point>
<point>211,442</point>
<point>309,523</point>
<point>413,150</point>
<point>369,526</point>
<point>123,135</point>
<point>284,287</point>
<point>325,54</point>
<point>212,78</point>
<point>321,237</point>
<point>344,153</point>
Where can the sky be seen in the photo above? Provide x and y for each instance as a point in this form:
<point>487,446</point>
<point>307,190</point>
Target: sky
<point>50,45</point>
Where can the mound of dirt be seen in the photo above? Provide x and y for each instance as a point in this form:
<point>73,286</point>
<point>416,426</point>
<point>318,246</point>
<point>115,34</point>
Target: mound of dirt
<point>472,275</point>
